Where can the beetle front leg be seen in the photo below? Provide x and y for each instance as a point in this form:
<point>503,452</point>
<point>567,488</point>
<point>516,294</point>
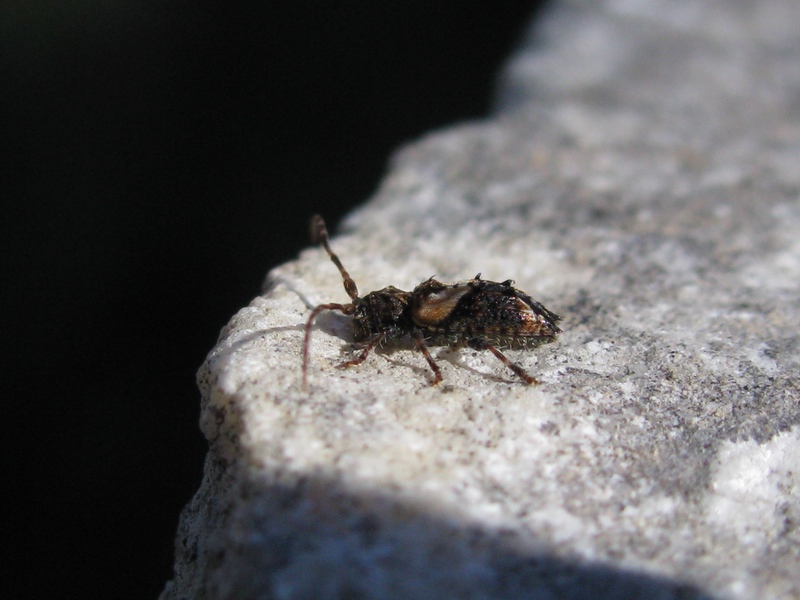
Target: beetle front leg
<point>363,356</point>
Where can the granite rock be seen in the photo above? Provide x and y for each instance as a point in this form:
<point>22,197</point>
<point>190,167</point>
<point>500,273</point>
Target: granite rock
<point>641,177</point>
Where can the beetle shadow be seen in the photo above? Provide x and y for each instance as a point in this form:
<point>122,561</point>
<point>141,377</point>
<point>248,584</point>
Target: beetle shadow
<point>338,325</point>
<point>416,362</point>
<point>335,324</point>
<point>456,358</point>
<point>273,281</point>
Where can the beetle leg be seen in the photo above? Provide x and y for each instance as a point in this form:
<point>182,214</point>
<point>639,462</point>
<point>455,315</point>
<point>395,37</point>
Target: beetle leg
<point>363,356</point>
<point>519,371</point>
<point>423,347</point>
<point>344,308</point>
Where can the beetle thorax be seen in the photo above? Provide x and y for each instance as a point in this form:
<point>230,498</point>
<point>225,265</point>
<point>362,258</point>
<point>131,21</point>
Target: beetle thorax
<point>384,311</point>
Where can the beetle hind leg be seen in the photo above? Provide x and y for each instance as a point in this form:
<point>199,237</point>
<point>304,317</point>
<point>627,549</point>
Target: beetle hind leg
<point>518,371</point>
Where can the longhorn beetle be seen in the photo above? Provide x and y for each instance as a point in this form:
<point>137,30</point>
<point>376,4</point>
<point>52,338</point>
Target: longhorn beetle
<point>477,313</point>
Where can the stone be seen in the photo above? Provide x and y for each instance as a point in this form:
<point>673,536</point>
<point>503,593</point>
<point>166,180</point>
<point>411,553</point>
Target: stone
<point>640,176</point>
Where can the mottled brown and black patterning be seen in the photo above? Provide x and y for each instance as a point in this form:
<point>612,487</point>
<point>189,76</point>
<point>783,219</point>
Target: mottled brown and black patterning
<point>480,314</point>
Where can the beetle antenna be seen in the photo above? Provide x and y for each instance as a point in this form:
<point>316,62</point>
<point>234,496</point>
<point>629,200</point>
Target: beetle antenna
<point>319,234</point>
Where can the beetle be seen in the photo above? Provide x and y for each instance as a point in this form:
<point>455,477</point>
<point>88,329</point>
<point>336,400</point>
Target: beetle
<point>477,313</point>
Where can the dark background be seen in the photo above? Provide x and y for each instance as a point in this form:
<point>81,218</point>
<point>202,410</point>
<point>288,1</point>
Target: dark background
<point>158,159</point>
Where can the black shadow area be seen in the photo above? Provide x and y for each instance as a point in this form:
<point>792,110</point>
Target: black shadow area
<point>157,159</point>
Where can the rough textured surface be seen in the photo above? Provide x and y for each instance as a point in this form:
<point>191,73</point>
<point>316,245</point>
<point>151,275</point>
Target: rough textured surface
<point>641,178</point>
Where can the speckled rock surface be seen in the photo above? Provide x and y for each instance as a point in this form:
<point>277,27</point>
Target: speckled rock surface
<point>640,177</point>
